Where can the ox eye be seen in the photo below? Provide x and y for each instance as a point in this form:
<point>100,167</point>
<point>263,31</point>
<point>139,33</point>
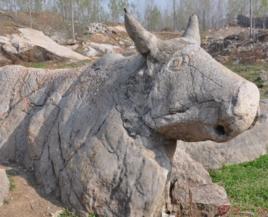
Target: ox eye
<point>175,64</point>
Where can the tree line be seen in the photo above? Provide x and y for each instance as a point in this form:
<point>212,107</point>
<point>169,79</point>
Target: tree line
<point>155,14</point>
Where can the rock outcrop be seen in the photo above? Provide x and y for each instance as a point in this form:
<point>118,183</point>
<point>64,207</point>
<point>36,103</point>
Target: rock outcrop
<point>32,46</point>
<point>96,49</point>
<point>191,190</point>
<point>103,138</point>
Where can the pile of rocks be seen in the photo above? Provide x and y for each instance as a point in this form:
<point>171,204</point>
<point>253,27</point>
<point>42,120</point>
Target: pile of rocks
<point>239,47</point>
<point>94,28</point>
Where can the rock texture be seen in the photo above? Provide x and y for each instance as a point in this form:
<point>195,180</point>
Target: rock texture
<point>245,147</point>
<point>4,186</point>
<point>32,45</point>
<point>103,138</point>
<point>96,49</point>
<point>191,190</point>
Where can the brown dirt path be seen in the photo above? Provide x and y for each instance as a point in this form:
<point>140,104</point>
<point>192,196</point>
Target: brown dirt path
<point>25,199</point>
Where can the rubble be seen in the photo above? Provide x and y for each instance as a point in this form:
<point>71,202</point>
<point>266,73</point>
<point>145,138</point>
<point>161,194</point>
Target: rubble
<point>94,28</point>
<point>259,22</point>
<point>239,47</point>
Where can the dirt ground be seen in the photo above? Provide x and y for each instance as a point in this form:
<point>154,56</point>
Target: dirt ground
<point>26,199</point>
<point>224,32</point>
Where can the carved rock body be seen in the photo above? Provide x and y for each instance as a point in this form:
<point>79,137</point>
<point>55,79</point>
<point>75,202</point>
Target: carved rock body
<point>103,138</point>
<point>78,146</point>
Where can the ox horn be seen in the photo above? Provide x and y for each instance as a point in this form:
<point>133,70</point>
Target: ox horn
<point>192,32</point>
<point>145,42</point>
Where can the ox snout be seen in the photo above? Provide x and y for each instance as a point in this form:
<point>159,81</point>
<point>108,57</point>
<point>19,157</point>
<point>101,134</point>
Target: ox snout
<point>241,113</point>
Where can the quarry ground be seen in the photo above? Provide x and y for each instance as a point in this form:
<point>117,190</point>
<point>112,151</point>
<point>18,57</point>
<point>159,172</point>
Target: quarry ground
<point>26,199</point>
<point>246,185</point>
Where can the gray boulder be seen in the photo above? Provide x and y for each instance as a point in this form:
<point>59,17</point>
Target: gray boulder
<point>32,46</point>
<point>103,138</point>
<point>191,191</point>
<point>4,186</point>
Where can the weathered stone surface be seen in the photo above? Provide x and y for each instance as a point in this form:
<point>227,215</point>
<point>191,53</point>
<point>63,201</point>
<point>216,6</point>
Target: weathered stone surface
<point>32,45</point>
<point>97,49</point>
<point>246,147</point>
<point>191,190</point>
<point>103,137</point>
<point>4,186</point>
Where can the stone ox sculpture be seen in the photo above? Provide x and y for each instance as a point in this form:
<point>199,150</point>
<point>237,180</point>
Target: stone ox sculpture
<point>103,138</point>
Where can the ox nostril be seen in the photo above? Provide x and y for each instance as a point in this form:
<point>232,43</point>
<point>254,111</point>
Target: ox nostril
<point>220,130</point>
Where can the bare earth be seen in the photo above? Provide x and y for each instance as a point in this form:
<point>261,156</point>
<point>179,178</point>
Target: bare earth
<point>25,199</point>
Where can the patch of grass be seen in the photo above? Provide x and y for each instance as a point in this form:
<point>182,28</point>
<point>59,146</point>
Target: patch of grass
<point>68,213</point>
<point>252,73</point>
<point>12,184</point>
<point>246,184</point>
<point>40,65</point>
<point>10,175</point>
<point>92,215</point>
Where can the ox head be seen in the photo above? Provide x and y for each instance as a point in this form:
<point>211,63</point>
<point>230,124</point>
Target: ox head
<point>193,97</point>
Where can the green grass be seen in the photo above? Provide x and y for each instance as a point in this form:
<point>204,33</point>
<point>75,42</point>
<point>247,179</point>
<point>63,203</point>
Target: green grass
<point>68,213</point>
<point>12,185</point>
<point>252,73</point>
<point>92,215</point>
<point>246,184</point>
<point>10,174</point>
<point>41,65</point>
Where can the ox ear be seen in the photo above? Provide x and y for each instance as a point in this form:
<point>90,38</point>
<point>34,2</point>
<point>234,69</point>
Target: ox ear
<point>145,42</point>
<point>192,32</point>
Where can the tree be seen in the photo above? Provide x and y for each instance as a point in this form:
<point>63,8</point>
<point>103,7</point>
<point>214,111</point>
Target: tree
<point>153,16</point>
<point>116,8</point>
<point>236,7</point>
<point>261,8</point>
<point>30,7</point>
<point>72,18</point>
<point>38,5</point>
<point>174,15</point>
<point>251,19</point>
